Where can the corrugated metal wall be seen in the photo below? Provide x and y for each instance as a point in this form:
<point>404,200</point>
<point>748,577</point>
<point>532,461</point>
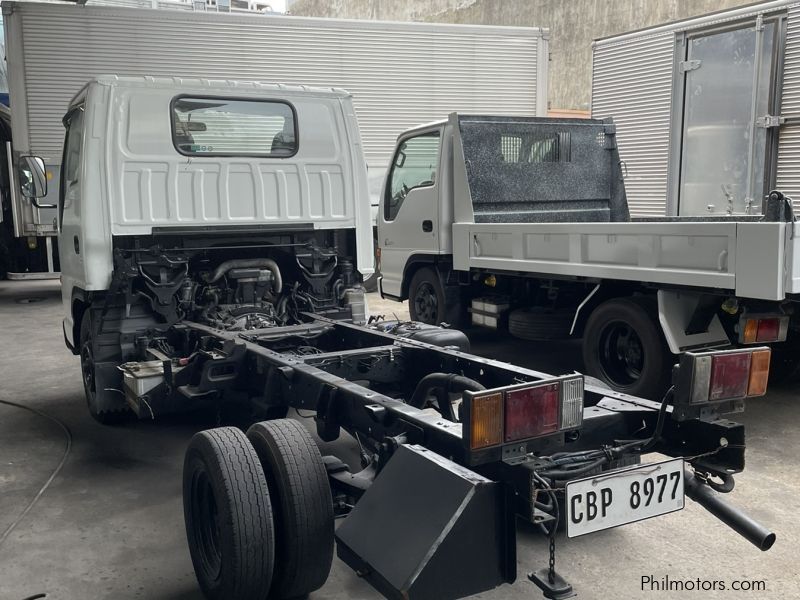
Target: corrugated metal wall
<point>400,75</point>
<point>788,168</point>
<point>632,82</point>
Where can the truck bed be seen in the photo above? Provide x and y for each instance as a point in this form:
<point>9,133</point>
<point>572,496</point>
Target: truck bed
<point>547,196</point>
<point>751,259</point>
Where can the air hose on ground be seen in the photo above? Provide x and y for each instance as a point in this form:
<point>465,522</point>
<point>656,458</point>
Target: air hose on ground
<point>50,479</point>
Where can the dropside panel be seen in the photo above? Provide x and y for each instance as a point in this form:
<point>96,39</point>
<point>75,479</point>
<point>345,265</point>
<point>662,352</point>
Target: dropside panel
<point>689,254</point>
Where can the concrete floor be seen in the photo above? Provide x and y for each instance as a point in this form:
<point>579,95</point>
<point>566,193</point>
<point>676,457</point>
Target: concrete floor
<point>111,525</point>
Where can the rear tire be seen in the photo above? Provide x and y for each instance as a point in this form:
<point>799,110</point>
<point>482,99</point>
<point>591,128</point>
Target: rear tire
<point>97,400</point>
<point>624,347</point>
<point>538,323</point>
<point>228,515</point>
<point>429,301</point>
<point>298,484</point>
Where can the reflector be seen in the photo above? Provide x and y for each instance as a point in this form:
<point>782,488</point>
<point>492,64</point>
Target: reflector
<point>730,375</point>
<point>768,330</point>
<point>759,373</point>
<point>531,412</point>
<point>486,421</point>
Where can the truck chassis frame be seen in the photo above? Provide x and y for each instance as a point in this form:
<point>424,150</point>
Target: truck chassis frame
<point>345,381</point>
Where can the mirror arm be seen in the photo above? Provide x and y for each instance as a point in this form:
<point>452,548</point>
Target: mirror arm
<point>35,202</point>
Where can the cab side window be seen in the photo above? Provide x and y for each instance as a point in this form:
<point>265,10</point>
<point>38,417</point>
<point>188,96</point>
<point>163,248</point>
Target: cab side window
<point>414,166</point>
<point>71,163</point>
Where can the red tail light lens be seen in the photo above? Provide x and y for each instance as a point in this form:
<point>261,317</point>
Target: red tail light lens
<point>730,374</point>
<point>531,412</point>
<point>768,330</point>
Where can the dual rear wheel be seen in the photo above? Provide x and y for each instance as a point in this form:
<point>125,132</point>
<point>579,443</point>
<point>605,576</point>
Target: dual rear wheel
<point>258,512</point>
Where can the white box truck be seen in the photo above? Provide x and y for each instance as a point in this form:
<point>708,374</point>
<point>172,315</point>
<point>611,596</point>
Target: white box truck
<point>399,73</point>
<point>707,109</point>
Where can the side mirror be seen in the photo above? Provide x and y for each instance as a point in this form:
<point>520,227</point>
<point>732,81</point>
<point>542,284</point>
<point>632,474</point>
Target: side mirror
<point>32,177</point>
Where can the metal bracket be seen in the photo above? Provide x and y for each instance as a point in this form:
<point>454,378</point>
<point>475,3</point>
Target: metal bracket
<point>689,65</point>
<point>769,121</point>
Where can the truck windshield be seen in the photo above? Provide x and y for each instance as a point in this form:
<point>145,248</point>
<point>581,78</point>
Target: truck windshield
<point>231,127</point>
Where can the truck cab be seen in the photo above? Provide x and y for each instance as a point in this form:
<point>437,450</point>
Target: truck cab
<point>239,203</point>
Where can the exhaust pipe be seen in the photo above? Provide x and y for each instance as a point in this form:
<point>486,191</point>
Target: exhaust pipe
<point>244,263</point>
<point>753,531</point>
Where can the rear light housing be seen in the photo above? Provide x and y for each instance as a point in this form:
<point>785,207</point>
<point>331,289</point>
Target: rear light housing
<point>719,380</point>
<point>762,329</point>
<point>522,412</point>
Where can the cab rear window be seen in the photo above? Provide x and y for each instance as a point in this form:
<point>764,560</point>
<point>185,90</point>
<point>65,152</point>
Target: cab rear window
<point>233,127</point>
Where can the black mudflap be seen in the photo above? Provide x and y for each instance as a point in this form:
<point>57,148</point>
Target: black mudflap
<point>428,528</point>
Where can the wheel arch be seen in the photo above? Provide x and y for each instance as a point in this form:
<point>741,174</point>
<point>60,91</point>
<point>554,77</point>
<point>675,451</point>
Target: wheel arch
<point>602,292</point>
<point>416,262</point>
<point>78,306</point>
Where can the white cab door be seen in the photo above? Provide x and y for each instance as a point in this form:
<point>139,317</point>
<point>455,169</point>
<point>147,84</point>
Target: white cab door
<point>408,222</point>
<point>70,238</point>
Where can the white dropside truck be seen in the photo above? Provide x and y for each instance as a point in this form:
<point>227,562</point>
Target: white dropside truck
<point>523,223</point>
<point>400,74</point>
<point>211,235</point>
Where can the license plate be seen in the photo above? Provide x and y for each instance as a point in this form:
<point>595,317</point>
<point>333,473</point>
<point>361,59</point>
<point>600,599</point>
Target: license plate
<point>624,496</point>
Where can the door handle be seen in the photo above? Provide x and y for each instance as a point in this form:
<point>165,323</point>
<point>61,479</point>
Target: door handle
<point>427,226</point>
<point>76,244</point>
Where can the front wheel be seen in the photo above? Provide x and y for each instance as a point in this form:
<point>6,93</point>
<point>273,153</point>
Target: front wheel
<point>624,347</point>
<point>431,302</point>
<point>106,405</point>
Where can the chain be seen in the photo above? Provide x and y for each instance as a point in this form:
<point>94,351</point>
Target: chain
<point>551,574</point>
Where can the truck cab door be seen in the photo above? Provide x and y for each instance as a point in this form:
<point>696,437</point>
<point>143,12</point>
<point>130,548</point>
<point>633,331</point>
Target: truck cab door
<point>408,222</point>
<point>70,239</point>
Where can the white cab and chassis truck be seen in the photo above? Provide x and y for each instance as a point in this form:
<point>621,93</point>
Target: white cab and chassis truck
<point>54,49</point>
<point>213,237</point>
<point>523,222</point>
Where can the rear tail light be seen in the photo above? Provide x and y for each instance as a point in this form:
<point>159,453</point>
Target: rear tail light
<point>532,412</point>
<point>763,329</point>
<point>524,411</point>
<point>725,375</point>
<point>730,374</point>
<point>759,373</point>
<point>486,421</point>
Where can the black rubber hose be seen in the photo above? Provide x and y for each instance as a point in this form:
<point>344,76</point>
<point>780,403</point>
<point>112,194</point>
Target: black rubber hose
<point>53,475</point>
<point>449,382</point>
<point>568,473</point>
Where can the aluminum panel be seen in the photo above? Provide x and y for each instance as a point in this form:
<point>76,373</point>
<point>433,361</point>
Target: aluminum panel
<point>632,82</point>
<point>400,74</point>
<point>680,253</point>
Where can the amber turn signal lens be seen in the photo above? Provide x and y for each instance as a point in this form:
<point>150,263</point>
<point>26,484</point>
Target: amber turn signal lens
<point>759,373</point>
<point>486,421</point>
<point>750,331</point>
